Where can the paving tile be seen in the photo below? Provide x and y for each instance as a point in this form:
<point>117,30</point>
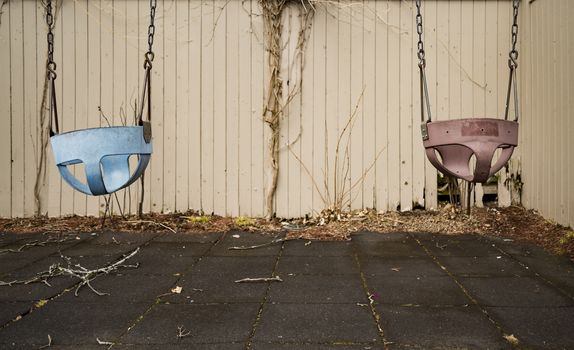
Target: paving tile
<point>494,265</point>
<point>74,323</point>
<point>167,258</point>
<point>318,289</point>
<point>212,346</point>
<point>10,310</point>
<point>137,238</point>
<point>391,267</point>
<point>246,239</point>
<point>444,328</point>
<point>7,266</point>
<point>191,237</point>
<point>130,288</point>
<point>316,346</point>
<point>412,290</point>
<point>406,247</point>
<point>367,236</point>
<point>176,249</point>
<point>557,269</point>
<point>515,291</point>
<point>316,323</point>
<point>239,267</point>
<point>465,246</point>
<point>36,291</point>
<point>312,265</point>
<point>222,322</point>
<point>89,249</point>
<point>537,328</point>
<point>315,248</point>
<point>216,288</point>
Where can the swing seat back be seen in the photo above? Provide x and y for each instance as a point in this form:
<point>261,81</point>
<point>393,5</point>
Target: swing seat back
<point>456,141</point>
<point>105,154</point>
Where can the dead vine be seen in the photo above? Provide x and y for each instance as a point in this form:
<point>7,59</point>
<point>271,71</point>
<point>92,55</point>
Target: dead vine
<point>275,103</point>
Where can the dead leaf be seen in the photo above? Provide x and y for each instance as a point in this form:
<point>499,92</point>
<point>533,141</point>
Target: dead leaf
<point>511,339</point>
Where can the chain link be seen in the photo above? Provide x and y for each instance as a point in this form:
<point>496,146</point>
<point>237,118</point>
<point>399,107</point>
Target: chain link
<point>420,44</point>
<point>149,55</point>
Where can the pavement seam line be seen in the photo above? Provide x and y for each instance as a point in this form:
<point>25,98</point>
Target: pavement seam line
<point>526,267</point>
<point>55,296</point>
<point>374,313</point>
<point>158,299</point>
<point>495,323</point>
<point>249,342</point>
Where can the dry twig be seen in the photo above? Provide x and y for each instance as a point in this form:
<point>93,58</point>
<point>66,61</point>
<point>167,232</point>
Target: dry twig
<point>260,279</point>
<point>86,276</point>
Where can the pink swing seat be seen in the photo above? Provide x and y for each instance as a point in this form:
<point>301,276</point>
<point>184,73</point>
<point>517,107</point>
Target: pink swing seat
<point>456,141</point>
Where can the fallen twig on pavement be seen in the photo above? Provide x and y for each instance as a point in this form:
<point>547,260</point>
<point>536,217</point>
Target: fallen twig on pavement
<point>36,244</point>
<point>78,271</point>
<point>275,241</point>
<point>262,279</point>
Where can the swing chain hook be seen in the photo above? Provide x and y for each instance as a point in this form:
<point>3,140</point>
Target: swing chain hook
<point>50,65</point>
<point>513,55</point>
<point>149,55</point>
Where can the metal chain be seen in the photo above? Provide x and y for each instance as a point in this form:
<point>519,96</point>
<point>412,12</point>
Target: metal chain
<point>51,65</point>
<point>420,44</point>
<point>513,55</point>
<point>149,55</point>
<point>422,65</point>
<point>513,64</point>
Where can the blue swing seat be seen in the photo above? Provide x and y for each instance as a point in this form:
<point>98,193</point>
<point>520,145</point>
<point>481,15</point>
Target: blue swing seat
<point>105,153</point>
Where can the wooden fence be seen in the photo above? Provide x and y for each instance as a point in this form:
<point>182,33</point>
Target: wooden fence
<point>209,84</point>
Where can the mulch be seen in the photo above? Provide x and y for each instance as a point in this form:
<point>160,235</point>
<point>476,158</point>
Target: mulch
<point>515,222</point>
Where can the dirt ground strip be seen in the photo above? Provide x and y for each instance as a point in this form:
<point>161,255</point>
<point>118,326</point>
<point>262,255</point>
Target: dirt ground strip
<point>516,223</point>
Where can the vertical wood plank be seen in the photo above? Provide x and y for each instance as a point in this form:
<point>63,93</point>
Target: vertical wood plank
<point>346,103</point>
<point>195,33</point>
<point>170,113</point>
<point>437,31</point>
<point>30,114</point>
<point>207,101</point>
<point>479,74</point>
<point>394,80</point>
<point>182,114</point>
<point>369,143</point>
<point>80,77</point>
<point>356,103</point>
<point>117,111</point>
<point>318,166</point>
<point>382,115</point>
<point>258,141</point>
<point>5,111</point>
<point>93,86</point>
<point>17,88</point>
<point>282,191</point>
<point>405,108</point>
<point>331,121</point>
<point>134,68</point>
<point>294,128</point>
<point>419,183</point>
<point>245,120</point>
<point>156,178</point>
<point>307,102</point>
<point>233,157</point>
<point>220,166</point>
